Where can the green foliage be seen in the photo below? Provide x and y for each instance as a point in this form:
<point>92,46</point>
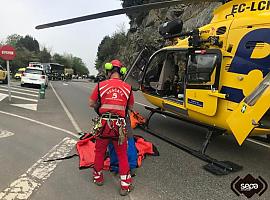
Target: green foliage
<point>28,50</point>
<point>44,55</point>
<point>13,39</point>
<point>70,61</point>
<point>29,43</point>
<point>109,47</point>
<point>78,66</point>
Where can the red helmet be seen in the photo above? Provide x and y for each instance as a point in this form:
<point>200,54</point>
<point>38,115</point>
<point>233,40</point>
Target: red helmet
<point>116,63</point>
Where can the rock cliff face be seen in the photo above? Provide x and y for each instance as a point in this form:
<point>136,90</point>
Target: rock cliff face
<point>144,26</point>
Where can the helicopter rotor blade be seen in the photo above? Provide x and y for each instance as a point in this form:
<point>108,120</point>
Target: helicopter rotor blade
<point>127,10</point>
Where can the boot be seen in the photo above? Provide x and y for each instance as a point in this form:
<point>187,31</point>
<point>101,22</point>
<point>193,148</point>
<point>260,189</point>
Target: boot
<point>98,178</point>
<point>125,184</point>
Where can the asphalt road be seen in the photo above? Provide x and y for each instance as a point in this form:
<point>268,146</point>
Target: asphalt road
<point>34,136</point>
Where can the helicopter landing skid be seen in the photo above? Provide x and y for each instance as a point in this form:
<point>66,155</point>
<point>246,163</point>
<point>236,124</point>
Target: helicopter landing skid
<point>214,166</point>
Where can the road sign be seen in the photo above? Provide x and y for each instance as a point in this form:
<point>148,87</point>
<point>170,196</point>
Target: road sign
<point>7,52</point>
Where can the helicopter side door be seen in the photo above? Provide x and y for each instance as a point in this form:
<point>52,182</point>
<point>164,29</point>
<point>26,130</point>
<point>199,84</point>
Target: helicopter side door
<point>202,81</point>
<point>135,73</point>
<point>248,114</point>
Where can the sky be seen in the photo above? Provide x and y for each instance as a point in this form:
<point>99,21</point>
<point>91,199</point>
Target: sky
<point>80,39</point>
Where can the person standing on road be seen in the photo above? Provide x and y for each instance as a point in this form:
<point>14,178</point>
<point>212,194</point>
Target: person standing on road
<point>114,97</point>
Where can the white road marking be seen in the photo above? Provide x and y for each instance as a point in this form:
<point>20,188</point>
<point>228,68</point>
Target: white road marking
<point>41,123</point>
<point>20,89</point>
<point>85,84</point>
<point>65,84</point>
<point>3,96</point>
<point>25,90</point>
<point>88,86</point>
<point>24,98</point>
<point>27,183</point>
<point>5,133</point>
<point>26,106</point>
<point>141,104</point>
<point>259,143</point>
<point>91,87</point>
<point>73,121</point>
<point>13,91</point>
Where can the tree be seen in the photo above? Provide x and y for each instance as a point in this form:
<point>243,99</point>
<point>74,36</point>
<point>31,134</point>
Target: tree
<point>22,59</point>
<point>45,55</point>
<point>109,48</point>
<point>69,61</point>
<point>29,43</point>
<point>57,58</point>
<point>24,50</point>
<point>79,66</point>
<point>13,39</point>
<point>28,49</point>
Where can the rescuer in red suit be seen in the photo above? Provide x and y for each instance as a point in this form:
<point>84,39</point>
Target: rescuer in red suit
<point>113,97</point>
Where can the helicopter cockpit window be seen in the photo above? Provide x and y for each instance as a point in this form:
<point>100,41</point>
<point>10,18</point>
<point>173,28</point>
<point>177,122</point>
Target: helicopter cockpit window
<point>201,67</point>
<point>151,81</point>
<point>165,75</point>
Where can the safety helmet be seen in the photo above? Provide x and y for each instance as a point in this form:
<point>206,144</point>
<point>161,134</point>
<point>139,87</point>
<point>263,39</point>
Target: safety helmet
<point>118,64</point>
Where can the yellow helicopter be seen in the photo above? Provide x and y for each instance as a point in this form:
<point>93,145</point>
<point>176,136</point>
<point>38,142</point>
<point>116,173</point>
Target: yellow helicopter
<point>216,76</point>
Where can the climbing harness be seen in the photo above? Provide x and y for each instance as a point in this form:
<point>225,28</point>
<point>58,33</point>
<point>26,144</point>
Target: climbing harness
<point>110,126</point>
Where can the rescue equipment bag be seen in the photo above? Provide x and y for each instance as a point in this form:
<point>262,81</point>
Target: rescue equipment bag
<point>86,151</point>
<point>136,119</point>
<point>144,148</point>
<point>132,156</point>
<point>138,148</point>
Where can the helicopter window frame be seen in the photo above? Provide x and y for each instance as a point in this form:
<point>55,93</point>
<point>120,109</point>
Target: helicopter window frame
<point>167,51</point>
<point>216,68</point>
<point>137,71</point>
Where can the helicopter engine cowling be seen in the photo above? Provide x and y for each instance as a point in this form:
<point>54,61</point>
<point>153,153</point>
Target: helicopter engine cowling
<point>171,28</point>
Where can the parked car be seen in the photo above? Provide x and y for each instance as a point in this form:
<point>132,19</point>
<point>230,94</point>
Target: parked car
<point>19,73</point>
<point>3,75</point>
<point>34,76</point>
<point>99,78</point>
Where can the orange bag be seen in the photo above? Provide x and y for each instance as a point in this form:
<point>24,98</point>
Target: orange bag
<point>136,119</point>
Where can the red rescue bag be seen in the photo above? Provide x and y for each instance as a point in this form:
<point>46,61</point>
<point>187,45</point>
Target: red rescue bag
<point>86,152</point>
<point>144,148</point>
